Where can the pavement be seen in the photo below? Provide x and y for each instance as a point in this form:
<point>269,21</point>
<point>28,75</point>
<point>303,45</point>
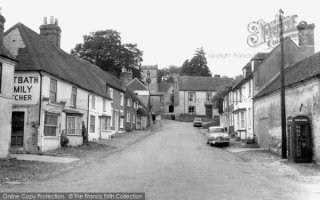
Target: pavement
<point>175,163</point>
<point>42,158</point>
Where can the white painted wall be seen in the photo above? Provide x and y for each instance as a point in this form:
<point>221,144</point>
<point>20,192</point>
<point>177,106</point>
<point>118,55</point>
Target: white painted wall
<point>6,106</point>
<point>303,99</point>
<point>199,103</point>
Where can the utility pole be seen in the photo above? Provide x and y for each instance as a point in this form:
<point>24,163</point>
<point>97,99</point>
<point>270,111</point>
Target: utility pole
<point>282,93</point>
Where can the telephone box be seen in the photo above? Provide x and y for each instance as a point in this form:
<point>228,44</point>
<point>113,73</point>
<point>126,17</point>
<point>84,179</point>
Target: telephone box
<point>299,139</point>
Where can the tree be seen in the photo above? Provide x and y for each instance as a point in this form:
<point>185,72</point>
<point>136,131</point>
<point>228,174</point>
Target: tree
<point>219,97</point>
<point>197,65</point>
<point>167,72</point>
<point>104,49</point>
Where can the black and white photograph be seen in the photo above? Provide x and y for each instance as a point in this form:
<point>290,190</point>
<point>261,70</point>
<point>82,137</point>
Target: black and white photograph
<point>159,100</point>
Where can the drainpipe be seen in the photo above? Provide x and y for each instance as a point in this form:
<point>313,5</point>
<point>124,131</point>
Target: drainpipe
<point>88,114</point>
<point>40,108</point>
<point>184,102</point>
<point>253,133</point>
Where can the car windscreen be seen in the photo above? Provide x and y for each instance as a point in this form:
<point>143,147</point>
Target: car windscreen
<point>216,130</point>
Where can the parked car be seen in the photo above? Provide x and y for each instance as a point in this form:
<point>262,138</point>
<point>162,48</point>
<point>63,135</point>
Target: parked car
<point>217,135</point>
<point>197,122</point>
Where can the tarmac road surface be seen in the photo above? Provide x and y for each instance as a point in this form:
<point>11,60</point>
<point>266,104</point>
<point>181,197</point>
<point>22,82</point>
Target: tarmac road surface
<point>174,163</point>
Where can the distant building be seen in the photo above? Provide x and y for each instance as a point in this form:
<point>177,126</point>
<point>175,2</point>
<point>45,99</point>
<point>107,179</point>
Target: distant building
<point>151,72</point>
<point>166,91</point>
<point>136,112</point>
<point>238,103</point>
<point>7,65</point>
<point>193,95</point>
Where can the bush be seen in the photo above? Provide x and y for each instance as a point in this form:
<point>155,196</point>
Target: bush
<point>64,140</point>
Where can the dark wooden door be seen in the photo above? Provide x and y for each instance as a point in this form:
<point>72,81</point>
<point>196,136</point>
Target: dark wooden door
<point>209,111</point>
<point>17,129</point>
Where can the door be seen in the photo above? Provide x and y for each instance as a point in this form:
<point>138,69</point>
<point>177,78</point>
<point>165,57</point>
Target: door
<point>17,129</point>
<point>263,133</point>
<point>209,111</point>
<point>116,118</point>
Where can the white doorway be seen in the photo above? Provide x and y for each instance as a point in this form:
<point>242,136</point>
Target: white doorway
<point>116,121</point>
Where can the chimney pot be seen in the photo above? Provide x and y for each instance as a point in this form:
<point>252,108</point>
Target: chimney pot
<point>2,21</point>
<point>51,31</point>
<point>45,20</point>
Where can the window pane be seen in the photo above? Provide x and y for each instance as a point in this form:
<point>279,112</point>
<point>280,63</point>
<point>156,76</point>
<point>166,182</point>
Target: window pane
<point>51,120</point>
<point>49,131</point>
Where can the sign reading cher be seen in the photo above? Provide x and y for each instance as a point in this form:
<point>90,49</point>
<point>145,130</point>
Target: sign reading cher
<point>26,89</point>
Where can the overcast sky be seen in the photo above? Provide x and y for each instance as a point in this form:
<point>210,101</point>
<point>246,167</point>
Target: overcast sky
<point>167,31</point>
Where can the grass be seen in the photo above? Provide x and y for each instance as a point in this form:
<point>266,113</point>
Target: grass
<point>13,170</point>
<point>89,149</point>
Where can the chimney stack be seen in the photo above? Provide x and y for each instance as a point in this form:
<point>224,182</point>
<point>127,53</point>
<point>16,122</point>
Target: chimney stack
<point>126,76</point>
<point>247,69</point>
<point>306,36</point>
<point>2,21</point>
<point>51,31</point>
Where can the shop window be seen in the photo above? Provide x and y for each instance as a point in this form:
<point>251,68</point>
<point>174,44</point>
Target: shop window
<point>53,90</point>
<point>50,125</point>
<point>92,123</point>
<point>74,125</point>
<point>106,124</point>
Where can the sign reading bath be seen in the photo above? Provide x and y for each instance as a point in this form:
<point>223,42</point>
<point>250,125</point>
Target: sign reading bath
<point>26,89</point>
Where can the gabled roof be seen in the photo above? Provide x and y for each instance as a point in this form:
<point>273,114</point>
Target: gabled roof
<point>260,56</point>
<point>129,94</point>
<point>40,54</point>
<point>135,84</point>
<point>302,70</point>
<point>164,87</point>
<point>6,54</point>
<point>201,83</point>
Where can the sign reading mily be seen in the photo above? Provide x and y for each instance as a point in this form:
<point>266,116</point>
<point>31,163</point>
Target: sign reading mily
<point>269,33</point>
<point>26,89</point>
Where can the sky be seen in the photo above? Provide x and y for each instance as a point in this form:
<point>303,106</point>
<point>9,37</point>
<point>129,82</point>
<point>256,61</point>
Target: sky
<point>167,31</point>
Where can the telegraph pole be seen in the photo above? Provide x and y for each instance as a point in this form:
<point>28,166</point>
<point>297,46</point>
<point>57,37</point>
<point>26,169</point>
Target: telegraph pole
<point>282,93</point>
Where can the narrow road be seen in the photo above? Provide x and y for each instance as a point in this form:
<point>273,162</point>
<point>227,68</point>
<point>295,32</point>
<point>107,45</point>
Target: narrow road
<point>174,163</point>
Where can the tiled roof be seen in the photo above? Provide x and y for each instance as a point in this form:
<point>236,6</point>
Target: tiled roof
<point>135,84</point>
<point>6,54</point>
<point>164,87</point>
<point>142,110</point>
<point>201,83</point>
<point>302,70</point>
<point>260,56</point>
<point>40,54</point>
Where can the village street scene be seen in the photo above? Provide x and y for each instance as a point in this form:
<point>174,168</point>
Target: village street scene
<point>159,100</point>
